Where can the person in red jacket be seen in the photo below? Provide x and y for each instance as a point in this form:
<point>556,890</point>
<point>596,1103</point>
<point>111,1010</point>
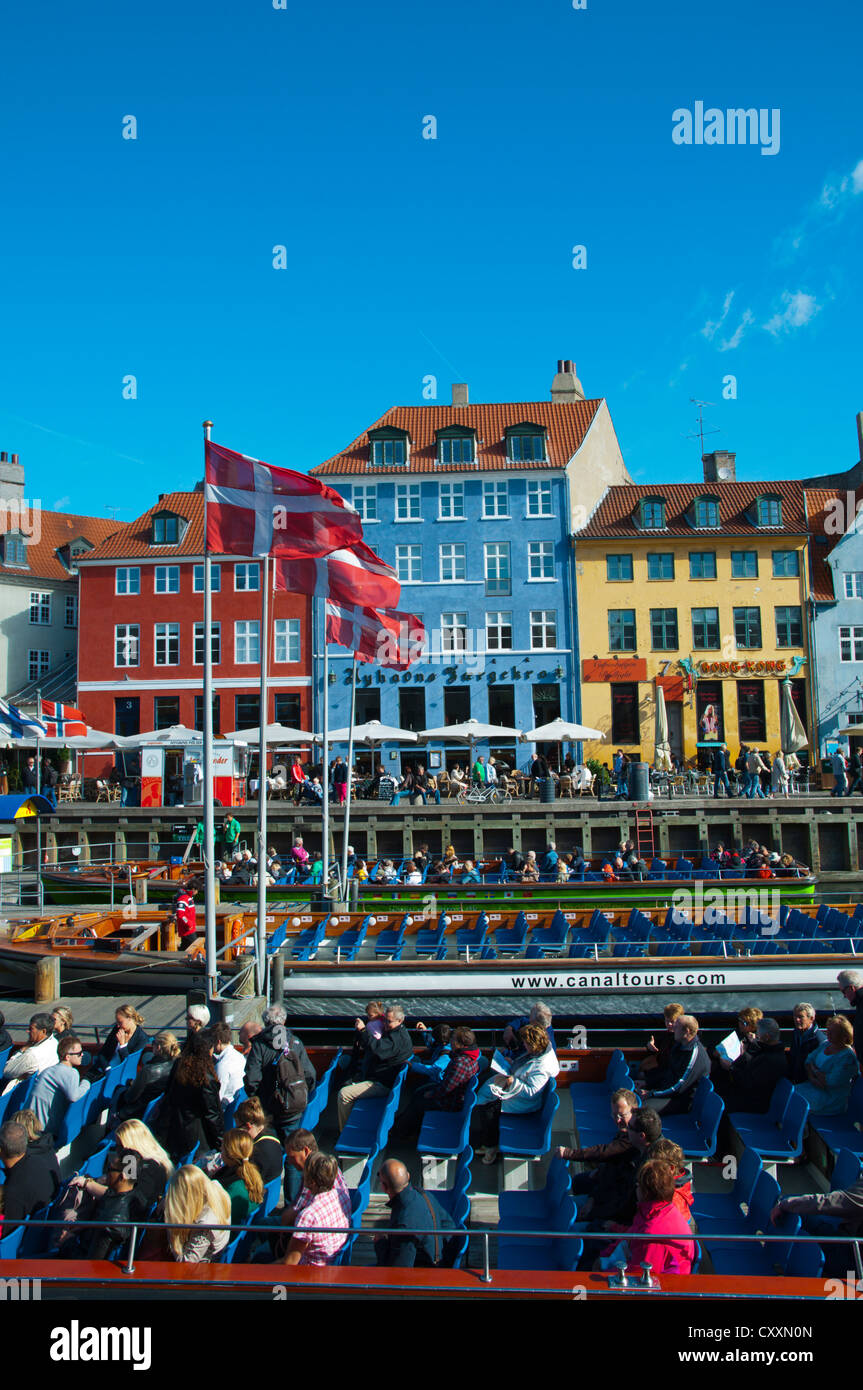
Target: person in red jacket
<point>658,1214</point>
<point>185,917</point>
<point>672,1153</point>
<point>449,1092</point>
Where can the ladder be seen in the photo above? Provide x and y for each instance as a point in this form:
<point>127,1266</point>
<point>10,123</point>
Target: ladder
<point>645,843</point>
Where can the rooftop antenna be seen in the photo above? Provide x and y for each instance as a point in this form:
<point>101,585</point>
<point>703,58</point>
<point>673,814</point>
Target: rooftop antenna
<point>701,431</point>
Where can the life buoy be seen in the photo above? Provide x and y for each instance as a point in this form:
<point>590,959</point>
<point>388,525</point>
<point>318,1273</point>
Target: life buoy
<point>237,929</point>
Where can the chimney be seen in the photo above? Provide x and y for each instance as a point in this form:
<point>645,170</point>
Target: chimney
<point>459,393</point>
<point>566,385</point>
<point>11,479</point>
<point>719,467</point>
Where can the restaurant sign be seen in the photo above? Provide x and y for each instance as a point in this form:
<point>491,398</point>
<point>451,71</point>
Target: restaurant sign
<point>626,669</point>
<point>741,668</point>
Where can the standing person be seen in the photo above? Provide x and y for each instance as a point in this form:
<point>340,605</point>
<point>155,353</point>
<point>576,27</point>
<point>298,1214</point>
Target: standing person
<point>340,780</point>
<point>230,836</point>
<point>839,774</point>
<point>766,773</point>
<point>60,1085</point>
<point>479,771</point>
<point>29,777</point>
<point>721,766</point>
<point>780,775</point>
<point>280,1075</point>
<point>229,1063</point>
<point>754,769</point>
<point>298,777</point>
<point>185,917</point>
<point>855,767</point>
<point>50,779</point>
<point>190,1113</point>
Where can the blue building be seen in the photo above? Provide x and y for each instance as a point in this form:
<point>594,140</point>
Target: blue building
<point>836,556</point>
<point>474,506</point>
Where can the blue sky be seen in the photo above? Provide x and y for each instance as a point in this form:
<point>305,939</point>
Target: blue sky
<point>407,257</point>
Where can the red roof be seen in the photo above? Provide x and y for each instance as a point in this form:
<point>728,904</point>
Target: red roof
<point>58,529</point>
<point>614,513</point>
<point>566,423</point>
<point>821,506</point>
<point>134,541</point>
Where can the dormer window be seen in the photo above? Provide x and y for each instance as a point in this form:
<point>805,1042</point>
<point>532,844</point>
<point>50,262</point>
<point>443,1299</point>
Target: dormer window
<point>388,448</point>
<point>706,513</point>
<point>653,514</point>
<point>455,448</point>
<point>15,550</point>
<point>526,444</point>
<point>769,511</point>
<point>166,528</point>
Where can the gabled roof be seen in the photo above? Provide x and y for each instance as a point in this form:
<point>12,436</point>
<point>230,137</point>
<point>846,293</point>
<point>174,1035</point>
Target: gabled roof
<point>58,529</point>
<point>613,517</point>
<point>821,507</point>
<point>566,423</point>
<point>134,542</point>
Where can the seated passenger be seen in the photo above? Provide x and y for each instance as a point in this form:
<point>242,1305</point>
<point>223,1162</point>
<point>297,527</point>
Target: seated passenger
<point>624,1103</point>
<point>657,1212</point>
<point>385,872</point>
<point>418,1238</point>
<point>39,1141</point>
<point>324,1201</point>
<point>671,1090</point>
<point>539,1013</point>
<point>60,1085</point>
<point>126,1037</point>
<point>112,1209</point>
<point>268,1155</point>
<point>194,1204</point>
<point>608,1193</point>
<point>805,1039</point>
<point>31,1179</point>
<point>411,874</point>
<point>470,873</point>
<point>37,1054</point>
<point>448,1092</point>
<point>520,1092</point>
<point>239,1176</point>
<point>831,1070</point>
<point>757,1072</point>
<point>530,872</point>
<point>658,1053</point>
<point>672,1153</point>
<point>432,1066</point>
<point>150,1080</point>
<point>745,1026</point>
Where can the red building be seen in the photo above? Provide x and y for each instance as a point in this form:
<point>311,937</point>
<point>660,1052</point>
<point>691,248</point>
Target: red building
<point>141,634</point>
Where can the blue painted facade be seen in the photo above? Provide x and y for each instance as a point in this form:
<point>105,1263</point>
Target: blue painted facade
<point>522,685</point>
<point>838,660</point>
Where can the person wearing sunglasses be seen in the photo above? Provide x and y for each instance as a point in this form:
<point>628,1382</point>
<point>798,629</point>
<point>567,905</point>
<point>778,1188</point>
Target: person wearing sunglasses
<point>60,1085</point>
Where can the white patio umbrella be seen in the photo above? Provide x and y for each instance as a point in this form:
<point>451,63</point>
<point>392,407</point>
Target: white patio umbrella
<point>273,733</point>
<point>470,732</point>
<point>662,755</point>
<point>177,736</point>
<point>561,731</point>
<point>373,733</point>
<point>94,738</point>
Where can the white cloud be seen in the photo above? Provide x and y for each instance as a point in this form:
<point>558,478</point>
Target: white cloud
<point>835,196</point>
<point>800,308</point>
<point>712,327</point>
<point>734,341</point>
<point>61,503</point>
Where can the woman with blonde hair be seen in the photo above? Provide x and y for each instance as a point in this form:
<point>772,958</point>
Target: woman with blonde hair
<point>151,1078</point>
<point>39,1141</point>
<point>63,1020</point>
<point>150,1172</point>
<point>193,1205</point>
<point>126,1036</point>
<point>240,1177</point>
<point>831,1070</point>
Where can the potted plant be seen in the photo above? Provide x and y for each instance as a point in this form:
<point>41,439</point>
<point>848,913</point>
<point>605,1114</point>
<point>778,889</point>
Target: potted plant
<point>65,762</point>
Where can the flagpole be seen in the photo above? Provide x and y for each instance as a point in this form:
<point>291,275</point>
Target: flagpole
<point>325,778</point>
<point>209,837</point>
<point>262,783</point>
<point>40,897</point>
<point>348,797</point>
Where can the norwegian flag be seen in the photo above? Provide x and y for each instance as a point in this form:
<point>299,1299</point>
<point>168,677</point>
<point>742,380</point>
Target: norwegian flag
<point>62,721</point>
<point>255,509</point>
<point>387,638</point>
<point>16,724</point>
<point>348,577</point>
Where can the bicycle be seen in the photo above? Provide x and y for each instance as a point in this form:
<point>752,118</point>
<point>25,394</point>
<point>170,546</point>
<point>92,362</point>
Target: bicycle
<point>483,794</point>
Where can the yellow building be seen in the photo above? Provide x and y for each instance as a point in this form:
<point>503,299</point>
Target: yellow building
<point>699,588</point>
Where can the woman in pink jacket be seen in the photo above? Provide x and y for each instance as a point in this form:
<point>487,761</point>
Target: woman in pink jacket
<point>657,1212</point>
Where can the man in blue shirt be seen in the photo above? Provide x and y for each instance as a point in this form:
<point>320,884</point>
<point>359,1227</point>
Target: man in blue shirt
<point>423,1230</point>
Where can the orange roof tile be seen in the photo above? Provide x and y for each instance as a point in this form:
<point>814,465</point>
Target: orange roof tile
<point>821,508</point>
<point>613,517</point>
<point>566,423</point>
<point>57,530</point>
<point>133,542</point>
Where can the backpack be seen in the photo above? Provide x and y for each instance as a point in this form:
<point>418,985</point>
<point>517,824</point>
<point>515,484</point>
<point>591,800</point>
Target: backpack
<point>291,1093</point>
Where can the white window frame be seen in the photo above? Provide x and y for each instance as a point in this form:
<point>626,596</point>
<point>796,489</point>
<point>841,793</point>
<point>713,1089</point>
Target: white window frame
<point>365,500</point>
<point>198,643</point>
<point>453,632</point>
<point>453,494</point>
<point>409,557</point>
<point>452,559</point>
<point>496,621</point>
<point>853,583</point>
<point>131,635</point>
<point>544,622</point>
<point>245,570</point>
<point>502,558</point>
<point>492,491</point>
<point>539,491</point>
<point>71,608</point>
<point>15,551</point>
<point>540,551</point>
<point>166,575</point>
<point>40,608</point>
<point>166,633</point>
<point>409,494</point>
<point>379,452</point>
<point>247,637</point>
<point>215,578</point>
<point>127,571</point>
<point>41,665</point>
<point>852,638</point>
<point>286,641</point>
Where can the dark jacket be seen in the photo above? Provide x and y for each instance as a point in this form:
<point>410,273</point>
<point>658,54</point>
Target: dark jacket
<point>720,761</point>
<point>113,1211</point>
<point>801,1047</point>
<point>386,1055</point>
<point>150,1081</point>
<point>754,1077</point>
<point>613,1188</point>
<point>30,1183</point>
<point>189,1115</point>
<point>449,1093</point>
<point>106,1055</point>
<point>5,1039</point>
<point>617,1148</point>
<point>410,1208</point>
<point>268,1155</point>
<point>260,1078</point>
<point>687,1063</point>
<point>857,1021</point>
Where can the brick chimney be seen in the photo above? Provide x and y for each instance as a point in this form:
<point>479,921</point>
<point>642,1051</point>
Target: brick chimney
<point>11,478</point>
<point>719,467</point>
<point>459,393</point>
<point>566,385</point>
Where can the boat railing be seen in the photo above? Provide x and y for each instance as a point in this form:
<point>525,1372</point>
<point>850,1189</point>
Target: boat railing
<point>485,1234</point>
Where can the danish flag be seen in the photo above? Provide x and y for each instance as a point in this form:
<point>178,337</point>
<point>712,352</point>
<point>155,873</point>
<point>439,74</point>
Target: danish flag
<point>62,721</point>
<point>387,638</point>
<point>348,577</point>
<point>255,509</point>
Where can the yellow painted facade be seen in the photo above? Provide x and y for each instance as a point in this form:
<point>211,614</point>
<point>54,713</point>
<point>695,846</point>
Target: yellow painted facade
<point>598,595</point>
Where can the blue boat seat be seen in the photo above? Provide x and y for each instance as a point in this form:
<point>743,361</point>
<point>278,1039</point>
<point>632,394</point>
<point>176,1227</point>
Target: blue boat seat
<point>529,1135</point>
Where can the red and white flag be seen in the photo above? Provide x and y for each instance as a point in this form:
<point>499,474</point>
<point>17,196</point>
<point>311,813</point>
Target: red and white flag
<point>387,638</point>
<point>255,509</point>
<point>62,721</point>
<point>348,577</point>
